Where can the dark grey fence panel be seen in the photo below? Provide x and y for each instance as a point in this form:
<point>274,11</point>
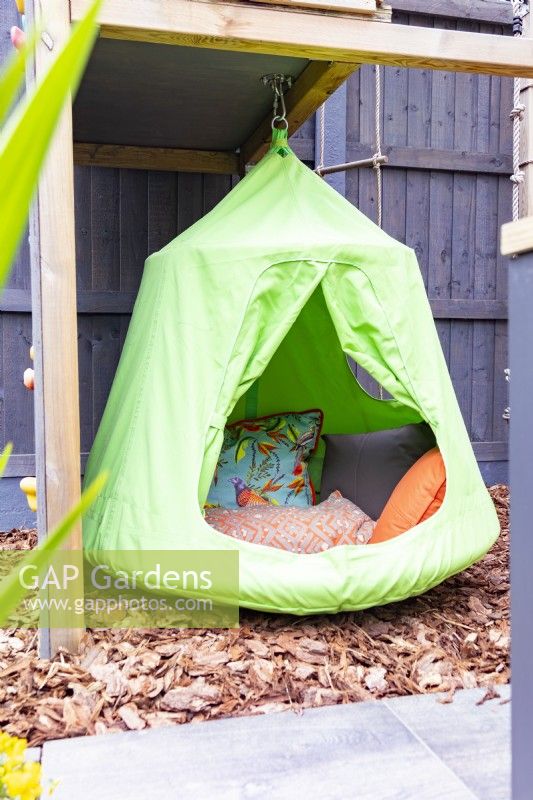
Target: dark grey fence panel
<point>133,213</point>
<point>16,407</point>
<point>446,193</point>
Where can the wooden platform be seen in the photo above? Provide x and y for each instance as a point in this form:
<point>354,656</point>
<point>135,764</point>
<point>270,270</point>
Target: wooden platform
<point>408,747</point>
<point>138,93</point>
<point>180,81</point>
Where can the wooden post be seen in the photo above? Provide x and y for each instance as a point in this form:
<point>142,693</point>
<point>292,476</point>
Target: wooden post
<point>521,333</point>
<point>517,240</point>
<point>53,285</point>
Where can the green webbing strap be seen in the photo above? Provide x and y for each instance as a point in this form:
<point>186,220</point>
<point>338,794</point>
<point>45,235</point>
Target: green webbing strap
<point>251,401</point>
<point>280,141</point>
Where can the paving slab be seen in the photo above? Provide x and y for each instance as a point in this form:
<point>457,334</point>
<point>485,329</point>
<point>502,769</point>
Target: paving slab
<point>361,751</point>
<point>33,754</point>
<point>473,740</point>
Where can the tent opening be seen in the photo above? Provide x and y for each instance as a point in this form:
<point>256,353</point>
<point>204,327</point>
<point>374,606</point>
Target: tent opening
<point>309,369</point>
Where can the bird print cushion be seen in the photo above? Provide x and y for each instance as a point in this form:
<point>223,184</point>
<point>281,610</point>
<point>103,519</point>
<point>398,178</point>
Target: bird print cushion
<point>335,521</point>
<point>265,461</point>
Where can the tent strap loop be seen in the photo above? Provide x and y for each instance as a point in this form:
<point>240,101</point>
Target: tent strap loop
<point>217,421</point>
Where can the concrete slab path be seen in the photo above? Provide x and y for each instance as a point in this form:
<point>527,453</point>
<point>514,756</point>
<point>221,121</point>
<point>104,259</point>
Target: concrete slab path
<point>409,747</point>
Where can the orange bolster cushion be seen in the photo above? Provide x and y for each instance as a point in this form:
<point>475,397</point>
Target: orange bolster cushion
<point>416,497</point>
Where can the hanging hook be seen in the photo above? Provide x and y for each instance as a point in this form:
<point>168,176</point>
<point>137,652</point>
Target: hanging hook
<point>278,83</point>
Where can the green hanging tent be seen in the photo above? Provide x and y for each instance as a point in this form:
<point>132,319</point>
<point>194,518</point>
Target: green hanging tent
<point>255,308</point>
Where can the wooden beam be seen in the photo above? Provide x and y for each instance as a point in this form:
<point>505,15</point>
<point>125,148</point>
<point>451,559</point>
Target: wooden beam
<point>491,451</point>
<point>367,9</point>
<point>517,237</point>
<point>350,6</point>
<point>53,286</point>
<point>500,12</point>
<point>90,301</point>
<point>102,302</point>
<point>434,159</point>
<point>156,158</point>
<point>317,82</point>
<point>262,29</point>
<point>22,464</point>
<point>445,308</point>
<point>409,157</point>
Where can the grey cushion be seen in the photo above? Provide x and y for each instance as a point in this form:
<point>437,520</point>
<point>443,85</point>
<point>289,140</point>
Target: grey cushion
<point>366,467</point>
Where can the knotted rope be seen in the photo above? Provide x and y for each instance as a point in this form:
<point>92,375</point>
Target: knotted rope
<point>378,153</point>
<point>517,115</point>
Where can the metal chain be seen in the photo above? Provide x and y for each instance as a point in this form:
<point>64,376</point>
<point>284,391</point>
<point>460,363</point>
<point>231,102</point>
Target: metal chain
<point>517,114</point>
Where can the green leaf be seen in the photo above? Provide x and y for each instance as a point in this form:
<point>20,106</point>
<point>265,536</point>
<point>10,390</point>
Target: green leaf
<point>4,457</point>
<point>240,450</point>
<point>292,433</point>
<point>25,139</point>
<point>11,589</point>
<point>277,425</point>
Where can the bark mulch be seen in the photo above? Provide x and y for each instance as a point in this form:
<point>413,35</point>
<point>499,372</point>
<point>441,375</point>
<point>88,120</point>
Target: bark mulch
<point>455,636</point>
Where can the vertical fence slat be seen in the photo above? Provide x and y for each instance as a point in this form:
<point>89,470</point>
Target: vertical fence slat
<point>353,111</point>
<point>481,425</point>
<point>162,209</point>
<point>463,244</point>
<point>106,353</point>
<point>18,406</point>
<point>105,228</point>
<point>353,131</point>
<point>190,200</point>
<point>367,100</point>
<point>133,233</point>
<point>441,195</point>
<point>395,106</point>
<point>419,100</point>
<point>133,230</point>
<point>215,187</point>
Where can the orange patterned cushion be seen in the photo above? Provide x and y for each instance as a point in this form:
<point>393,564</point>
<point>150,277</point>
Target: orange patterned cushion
<point>301,530</point>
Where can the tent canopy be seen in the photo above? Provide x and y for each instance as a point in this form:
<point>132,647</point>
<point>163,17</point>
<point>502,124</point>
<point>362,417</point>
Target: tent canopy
<point>256,308</point>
